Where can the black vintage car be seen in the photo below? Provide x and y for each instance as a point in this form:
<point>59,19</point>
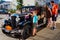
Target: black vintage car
<point>22,26</point>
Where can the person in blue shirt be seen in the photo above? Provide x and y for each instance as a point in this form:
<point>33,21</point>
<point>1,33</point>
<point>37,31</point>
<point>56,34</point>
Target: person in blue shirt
<point>35,21</point>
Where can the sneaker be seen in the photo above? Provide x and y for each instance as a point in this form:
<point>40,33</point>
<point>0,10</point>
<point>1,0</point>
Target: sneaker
<point>34,35</point>
<point>53,28</point>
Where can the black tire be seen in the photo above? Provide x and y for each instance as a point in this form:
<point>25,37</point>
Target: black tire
<point>26,32</point>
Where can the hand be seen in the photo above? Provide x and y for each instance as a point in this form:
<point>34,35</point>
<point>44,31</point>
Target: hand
<point>55,15</point>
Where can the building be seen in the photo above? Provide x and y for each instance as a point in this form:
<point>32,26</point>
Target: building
<point>8,4</point>
<point>28,2</point>
<point>13,4</point>
<point>5,5</point>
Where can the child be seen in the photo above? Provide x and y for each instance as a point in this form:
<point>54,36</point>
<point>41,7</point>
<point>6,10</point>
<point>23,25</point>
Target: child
<point>35,22</point>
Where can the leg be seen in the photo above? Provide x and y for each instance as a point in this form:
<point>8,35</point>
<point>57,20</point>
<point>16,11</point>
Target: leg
<point>49,22</point>
<point>54,22</point>
<point>34,31</point>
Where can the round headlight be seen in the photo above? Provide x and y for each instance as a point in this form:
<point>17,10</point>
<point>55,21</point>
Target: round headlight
<point>17,19</point>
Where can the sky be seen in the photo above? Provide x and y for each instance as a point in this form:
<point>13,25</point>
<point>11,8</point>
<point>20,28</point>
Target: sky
<point>8,0</point>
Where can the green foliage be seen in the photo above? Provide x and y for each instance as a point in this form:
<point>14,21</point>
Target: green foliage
<point>12,11</point>
<point>36,4</point>
<point>19,4</point>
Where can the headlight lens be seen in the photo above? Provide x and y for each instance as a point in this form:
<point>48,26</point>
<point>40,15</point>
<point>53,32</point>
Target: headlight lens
<point>17,19</point>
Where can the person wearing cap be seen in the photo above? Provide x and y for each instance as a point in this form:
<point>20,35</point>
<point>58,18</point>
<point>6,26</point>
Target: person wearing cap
<point>54,14</point>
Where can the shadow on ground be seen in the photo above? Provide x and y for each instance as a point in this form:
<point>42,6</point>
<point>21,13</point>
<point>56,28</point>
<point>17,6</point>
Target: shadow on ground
<point>57,36</point>
<point>39,29</point>
<point>58,25</point>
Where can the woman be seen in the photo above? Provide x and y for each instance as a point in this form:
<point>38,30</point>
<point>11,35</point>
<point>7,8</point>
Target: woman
<point>48,15</point>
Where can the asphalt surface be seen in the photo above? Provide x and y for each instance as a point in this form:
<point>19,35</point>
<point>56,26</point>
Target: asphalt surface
<point>44,34</point>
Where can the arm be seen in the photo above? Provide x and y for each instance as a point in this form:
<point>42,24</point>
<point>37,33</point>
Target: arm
<point>50,11</point>
<point>56,10</point>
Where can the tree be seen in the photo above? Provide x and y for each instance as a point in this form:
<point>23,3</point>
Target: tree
<point>11,11</point>
<point>36,4</point>
<point>19,2</point>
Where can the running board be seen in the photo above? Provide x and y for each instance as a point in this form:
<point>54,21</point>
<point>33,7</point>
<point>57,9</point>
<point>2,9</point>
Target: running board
<point>40,24</point>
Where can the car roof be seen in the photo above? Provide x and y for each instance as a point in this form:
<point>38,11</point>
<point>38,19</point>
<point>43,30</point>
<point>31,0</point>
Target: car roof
<point>28,6</point>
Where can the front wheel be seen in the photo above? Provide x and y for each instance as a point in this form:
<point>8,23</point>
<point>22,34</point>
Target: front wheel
<point>26,32</point>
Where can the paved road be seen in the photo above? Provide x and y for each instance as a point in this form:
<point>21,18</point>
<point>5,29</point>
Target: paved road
<point>44,34</point>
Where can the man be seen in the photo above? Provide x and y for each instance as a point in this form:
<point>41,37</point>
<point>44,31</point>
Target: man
<point>54,14</point>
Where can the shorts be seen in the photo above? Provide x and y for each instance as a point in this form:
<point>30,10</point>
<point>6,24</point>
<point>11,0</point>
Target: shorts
<point>54,18</point>
<point>34,25</point>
